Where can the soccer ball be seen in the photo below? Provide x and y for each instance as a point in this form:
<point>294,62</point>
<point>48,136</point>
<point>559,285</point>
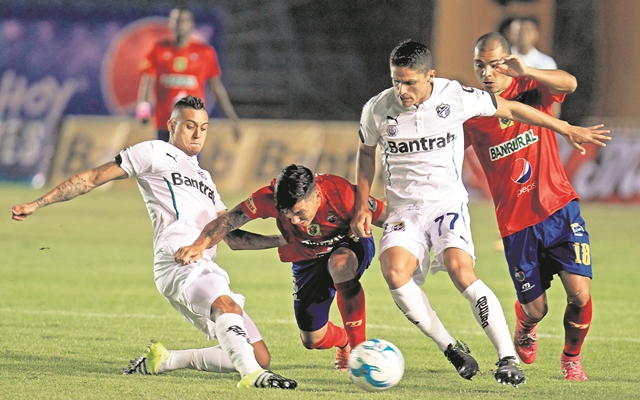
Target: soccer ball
<point>376,365</point>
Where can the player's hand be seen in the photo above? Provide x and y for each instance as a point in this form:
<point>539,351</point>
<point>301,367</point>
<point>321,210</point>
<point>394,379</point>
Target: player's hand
<point>578,135</point>
<point>143,112</point>
<point>189,254</point>
<point>361,223</point>
<point>22,211</point>
<point>511,65</point>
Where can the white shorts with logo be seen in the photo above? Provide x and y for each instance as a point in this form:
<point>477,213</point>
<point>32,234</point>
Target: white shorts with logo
<point>422,229</point>
<point>191,289</point>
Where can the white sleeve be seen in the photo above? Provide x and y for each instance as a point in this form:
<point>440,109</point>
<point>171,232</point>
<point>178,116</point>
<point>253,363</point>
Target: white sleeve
<point>136,159</point>
<point>477,102</point>
<point>369,133</point>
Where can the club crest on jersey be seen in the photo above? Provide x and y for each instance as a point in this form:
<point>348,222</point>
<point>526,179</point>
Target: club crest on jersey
<point>505,123</point>
<point>577,229</point>
<point>180,64</point>
<point>443,110</point>
<point>392,129</point>
<point>331,218</point>
<point>202,174</point>
<point>395,227</point>
<point>313,230</point>
<point>519,274</point>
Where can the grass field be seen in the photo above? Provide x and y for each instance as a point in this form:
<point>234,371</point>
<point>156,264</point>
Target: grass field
<point>77,301</point>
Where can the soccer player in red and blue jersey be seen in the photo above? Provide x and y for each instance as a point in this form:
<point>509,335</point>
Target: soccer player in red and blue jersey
<point>177,68</point>
<point>313,214</point>
<point>536,206</point>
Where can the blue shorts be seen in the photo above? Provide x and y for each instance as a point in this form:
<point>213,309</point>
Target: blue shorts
<point>535,254</point>
<point>313,289</point>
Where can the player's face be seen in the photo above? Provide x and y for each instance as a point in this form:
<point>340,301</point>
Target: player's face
<point>304,211</point>
<point>188,131</point>
<point>490,79</point>
<point>412,87</point>
<point>181,23</point>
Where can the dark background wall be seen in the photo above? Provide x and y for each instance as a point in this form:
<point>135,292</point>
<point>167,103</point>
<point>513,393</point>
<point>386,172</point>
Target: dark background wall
<point>323,59</point>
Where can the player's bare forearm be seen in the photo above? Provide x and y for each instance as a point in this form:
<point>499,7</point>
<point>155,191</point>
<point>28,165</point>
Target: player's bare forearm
<point>558,81</point>
<point>366,168</point>
<point>575,135</point>
<point>215,231</point>
<point>73,187</point>
<point>243,240</point>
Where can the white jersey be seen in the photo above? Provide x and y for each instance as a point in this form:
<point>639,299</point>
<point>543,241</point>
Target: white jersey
<point>537,59</point>
<point>181,197</point>
<point>423,146</point>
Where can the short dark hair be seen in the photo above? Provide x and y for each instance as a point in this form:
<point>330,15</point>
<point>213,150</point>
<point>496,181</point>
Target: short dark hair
<point>294,183</point>
<point>531,19</point>
<point>505,25</point>
<point>491,39</point>
<point>189,101</point>
<point>413,55</point>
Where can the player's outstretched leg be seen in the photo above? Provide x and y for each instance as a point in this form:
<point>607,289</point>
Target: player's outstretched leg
<point>264,378</point>
<point>149,362</point>
<point>572,368</point>
<point>508,372</point>
<point>459,355</point>
<point>525,339</point>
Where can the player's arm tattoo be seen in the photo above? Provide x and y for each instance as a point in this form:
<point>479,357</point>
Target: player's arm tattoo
<point>243,240</point>
<point>81,183</point>
<point>217,230</point>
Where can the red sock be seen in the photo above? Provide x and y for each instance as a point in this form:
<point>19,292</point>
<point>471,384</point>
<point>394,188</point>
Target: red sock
<point>351,303</point>
<point>577,321</point>
<point>523,319</point>
<point>333,337</point>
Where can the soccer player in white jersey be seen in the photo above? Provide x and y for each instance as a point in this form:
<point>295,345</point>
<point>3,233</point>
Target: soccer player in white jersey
<point>418,125</point>
<point>181,199</point>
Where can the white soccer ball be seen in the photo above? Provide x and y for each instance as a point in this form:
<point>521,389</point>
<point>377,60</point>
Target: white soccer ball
<point>376,365</point>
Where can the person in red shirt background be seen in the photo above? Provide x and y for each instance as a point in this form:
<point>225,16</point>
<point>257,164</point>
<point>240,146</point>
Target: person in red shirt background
<point>536,207</point>
<point>313,213</point>
<point>176,68</point>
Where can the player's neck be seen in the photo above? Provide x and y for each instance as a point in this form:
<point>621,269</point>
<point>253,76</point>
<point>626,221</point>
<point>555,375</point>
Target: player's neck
<point>181,41</point>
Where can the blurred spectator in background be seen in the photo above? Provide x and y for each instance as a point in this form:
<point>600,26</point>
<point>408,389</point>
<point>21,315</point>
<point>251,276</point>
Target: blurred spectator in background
<point>177,68</point>
<point>510,28</point>
<point>528,37</point>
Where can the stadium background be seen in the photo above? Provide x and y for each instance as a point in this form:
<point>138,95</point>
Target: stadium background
<point>298,73</point>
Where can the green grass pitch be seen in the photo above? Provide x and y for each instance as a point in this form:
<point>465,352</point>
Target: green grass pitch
<point>77,301</point>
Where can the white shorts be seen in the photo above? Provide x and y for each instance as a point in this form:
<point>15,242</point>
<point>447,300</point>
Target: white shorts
<point>191,289</point>
<point>422,229</point>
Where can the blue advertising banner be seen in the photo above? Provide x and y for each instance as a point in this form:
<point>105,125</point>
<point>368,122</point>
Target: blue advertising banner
<point>83,61</point>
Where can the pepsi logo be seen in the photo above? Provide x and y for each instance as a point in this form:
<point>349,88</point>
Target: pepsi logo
<point>521,171</point>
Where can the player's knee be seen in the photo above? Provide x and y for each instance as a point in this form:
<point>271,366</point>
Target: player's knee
<point>223,305</point>
<point>312,340</point>
<point>395,275</point>
<point>536,311</point>
<point>579,299</point>
<point>343,265</point>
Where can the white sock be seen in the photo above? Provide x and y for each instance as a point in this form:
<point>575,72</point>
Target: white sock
<point>211,359</point>
<point>235,343</point>
<point>488,312</point>
<point>414,304</point>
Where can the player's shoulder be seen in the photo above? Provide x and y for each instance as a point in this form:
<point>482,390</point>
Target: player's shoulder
<point>381,103</point>
<point>331,179</point>
<point>334,185</point>
<point>201,47</point>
